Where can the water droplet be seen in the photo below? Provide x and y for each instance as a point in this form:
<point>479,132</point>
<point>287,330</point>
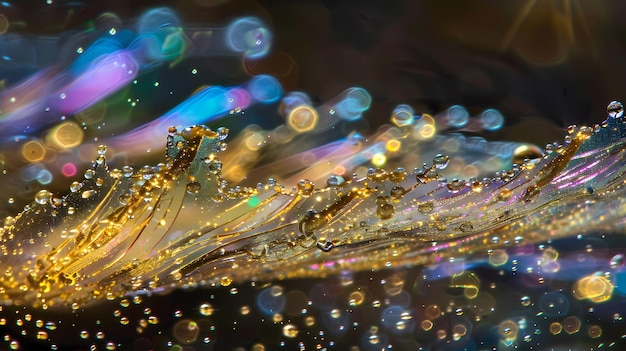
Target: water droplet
<point>115,173</point>
<point>617,261</point>
<point>526,152</point>
<point>43,196</point>
<point>441,161</point>
<point>75,186</point>
<point>222,133</point>
<point>128,171</point>
<point>455,185</point>
<point>215,166</point>
<point>305,187</point>
<point>426,207</point>
<point>397,192</point>
<point>615,109</point>
<point>88,193</point>
<point>102,149</point>
<point>335,180</point>
<point>147,172</point>
<point>124,199</point>
<point>89,173</point>
<point>385,211</point>
<point>100,159</point>
<point>193,187</point>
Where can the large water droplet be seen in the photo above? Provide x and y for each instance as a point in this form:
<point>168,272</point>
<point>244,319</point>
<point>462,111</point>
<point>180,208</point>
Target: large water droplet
<point>147,172</point>
<point>335,180</point>
<point>128,171</point>
<point>305,187</point>
<point>441,161</point>
<point>615,109</point>
<point>89,173</point>
<point>222,133</point>
<point>75,186</point>
<point>43,196</point>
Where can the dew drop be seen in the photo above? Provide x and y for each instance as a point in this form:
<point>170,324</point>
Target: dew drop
<point>193,188</point>
<point>335,180</point>
<point>89,173</point>
<point>426,207</point>
<point>102,149</point>
<point>88,193</point>
<point>397,192</point>
<point>124,199</point>
<point>147,172</point>
<point>128,171</point>
<point>222,133</point>
<point>617,261</point>
<point>305,187</point>
<point>440,161</point>
<point>615,109</point>
<point>385,211</point>
<point>455,185</point>
<point>43,196</point>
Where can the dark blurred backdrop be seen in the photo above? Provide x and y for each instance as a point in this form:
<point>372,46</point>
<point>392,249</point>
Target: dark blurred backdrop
<point>544,64</point>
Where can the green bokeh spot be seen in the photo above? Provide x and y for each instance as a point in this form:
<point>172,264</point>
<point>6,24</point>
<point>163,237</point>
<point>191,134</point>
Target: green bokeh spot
<point>253,201</point>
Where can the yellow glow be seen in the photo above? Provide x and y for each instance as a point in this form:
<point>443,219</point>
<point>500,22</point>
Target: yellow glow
<point>393,145</point>
<point>498,257</point>
<point>4,24</point>
<point>427,131</point>
<point>356,298</point>
<point>379,160</point>
<point>556,328</point>
<point>254,141</point>
<point>468,281</point>
<point>596,288</point>
<point>571,324</point>
<point>65,135</point>
<point>427,325</point>
<point>302,118</point>
<point>33,151</point>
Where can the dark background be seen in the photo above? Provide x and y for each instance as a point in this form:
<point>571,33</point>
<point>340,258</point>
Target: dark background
<point>535,61</point>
